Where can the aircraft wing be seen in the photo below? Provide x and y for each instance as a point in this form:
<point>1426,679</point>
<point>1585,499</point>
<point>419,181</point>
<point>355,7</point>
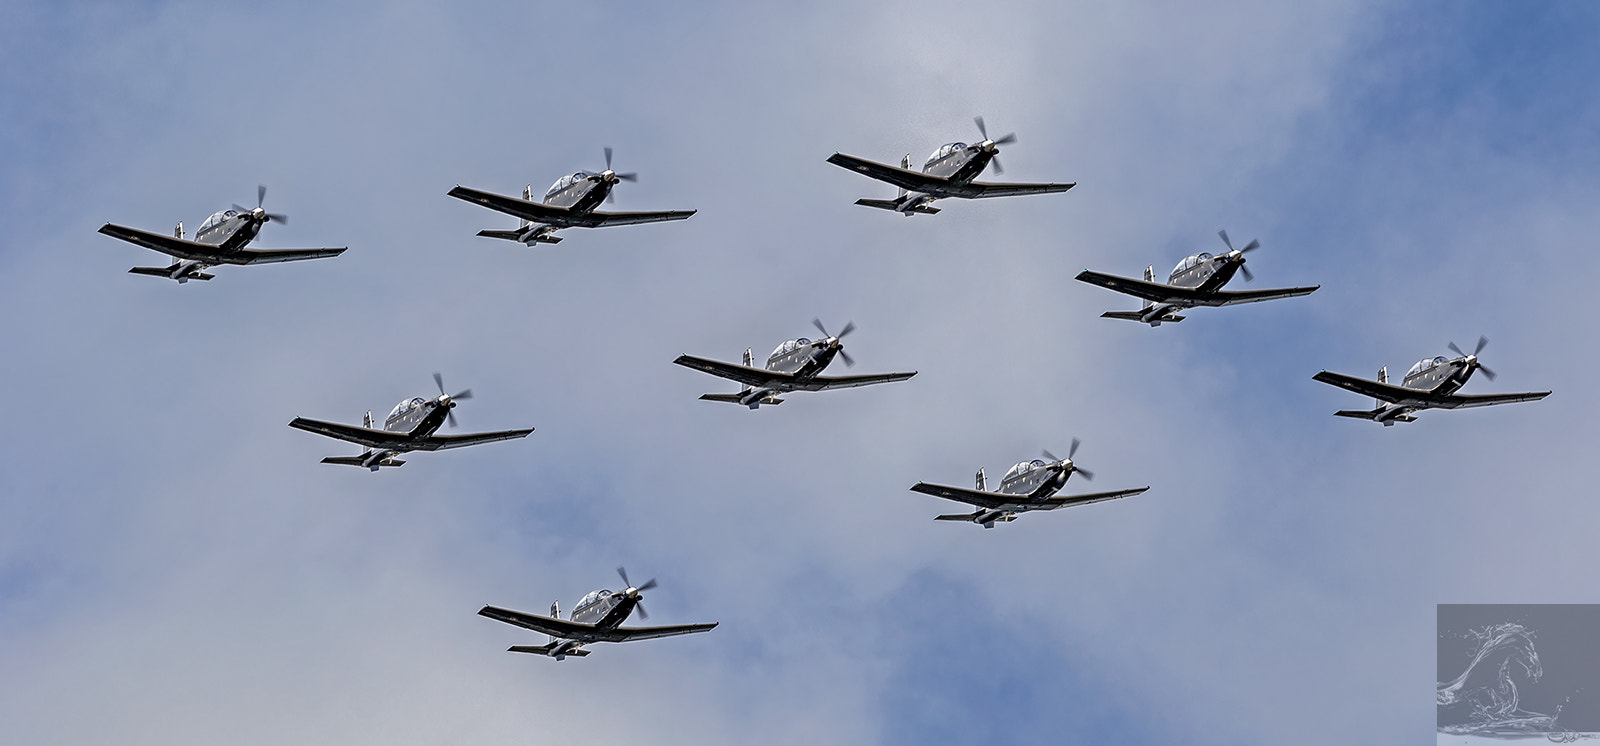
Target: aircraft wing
<point>570,630</point>
<point>365,436</point>
<point>824,383</point>
<point>446,442</point>
<point>915,181</point>
<point>1466,401</point>
<point>1385,391</point>
<point>757,377</point>
<point>539,212</point>
<point>981,189</point>
<point>274,256</point>
<point>1051,503</point>
<point>1160,292</point>
<point>978,498</point>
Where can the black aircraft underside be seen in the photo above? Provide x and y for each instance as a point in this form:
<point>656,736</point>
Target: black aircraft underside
<point>586,633</point>
<point>561,217</point>
<point>917,181</point>
<point>778,381</point>
<point>1420,398</point>
<point>209,253</point>
<point>401,442</point>
<point>1174,295</point>
<point>1017,503</point>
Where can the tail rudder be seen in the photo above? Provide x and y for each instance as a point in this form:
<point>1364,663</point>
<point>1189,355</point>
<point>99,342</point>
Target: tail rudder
<point>555,613</point>
<point>982,481</point>
<point>178,231</point>
<point>1149,276</point>
<point>905,163</point>
<point>749,362</point>
<point>367,422</point>
<point>1383,377</point>
<point>527,194</point>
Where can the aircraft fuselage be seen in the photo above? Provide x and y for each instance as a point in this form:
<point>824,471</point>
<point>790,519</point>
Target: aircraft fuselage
<point>231,230</point>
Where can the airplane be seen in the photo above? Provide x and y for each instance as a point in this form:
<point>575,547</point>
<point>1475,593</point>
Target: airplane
<point>949,172</point>
<point>1027,486</point>
<point>1196,281</point>
<point>1430,384</point>
<point>410,426</point>
<point>569,203</point>
<point>221,240</point>
<point>794,366</point>
<point>598,617</point>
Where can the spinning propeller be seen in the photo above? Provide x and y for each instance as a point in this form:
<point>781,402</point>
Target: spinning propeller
<point>259,213</point>
<point>831,341</point>
<point>1239,254</point>
<point>1472,360</point>
<point>634,593</point>
<point>611,177</point>
<point>447,401</point>
<point>992,146</point>
<point>1071,451</point>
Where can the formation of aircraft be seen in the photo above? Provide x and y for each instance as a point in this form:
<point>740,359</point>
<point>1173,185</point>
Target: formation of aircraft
<point>1430,384</point>
<point>1196,281</point>
<point>1027,486</point>
<point>222,239</point>
<point>410,426</point>
<point>569,203</point>
<point>796,365</point>
<point>949,172</point>
<point>598,617</point>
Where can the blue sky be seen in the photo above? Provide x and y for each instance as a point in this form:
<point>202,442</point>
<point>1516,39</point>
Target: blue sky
<point>176,566</point>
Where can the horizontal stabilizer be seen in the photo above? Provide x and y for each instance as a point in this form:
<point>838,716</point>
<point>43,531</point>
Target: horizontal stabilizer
<point>359,461</point>
<point>1138,316</point>
<point>956,517</point>
<point>167,272</point>
<point>1360,414</point>
<point>889,204</point>
<point>517,236</point>
<point>735,398</point>
<point>545,650</point>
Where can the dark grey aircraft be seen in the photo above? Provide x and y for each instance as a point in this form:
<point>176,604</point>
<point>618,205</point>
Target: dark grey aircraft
<point>1196,281</point>
<point>794,366</point>
<point>569,203</point>
<point>1030,485</point>
<point>221,240</point>
<point>597,618</point>
<point>410,426</point>
<point>949,172</point>
<point>1430,384</point>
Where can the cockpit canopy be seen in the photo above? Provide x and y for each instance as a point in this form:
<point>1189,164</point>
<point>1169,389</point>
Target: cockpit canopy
<point>216,218</point>
<point>1425,365</point>
<point>1190,262</point>
<point>945,150</point>
<point>790,346</point>
<point>566,181</point>
<point>405,406</point>
<point>593,597</point>
<point>1022,468</point>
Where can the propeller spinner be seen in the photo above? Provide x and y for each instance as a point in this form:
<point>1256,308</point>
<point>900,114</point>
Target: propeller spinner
<point>260,213</point>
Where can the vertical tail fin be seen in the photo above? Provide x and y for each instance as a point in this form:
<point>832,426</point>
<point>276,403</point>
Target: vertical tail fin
<point>527,194</point>
<point>555,613</point>
<point>749,361</point>
<point>178,231</point>
<point>367,422</point>
<point>1383,377</point>
<point>1149,276</point>
<point>905,163</point>
<point>983,482</point>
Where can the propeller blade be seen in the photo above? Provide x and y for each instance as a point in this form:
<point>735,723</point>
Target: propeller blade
<point>1224,235</point>
<point>643,615</point>
<point>1007,140</point>
<point>450,418</point>
<point>608,157</point>
<point>648,584</point>
<point>463,396</point>
<point>1482,341</point>
<point>999,170</point>
<point>1489,374</point>
<point>849,362</point>
<point>1089,475</point>
<point>849,326</point>
<point>240,208</point>
<point>1252,246</point>
<point>438,380</point>
<point>261,194</point>
<point>1455,349</point>
<point>1073,449</point>
<point>982,130</point>
<point>1048,455</point>
<point>818,324</point>
<point>1243,270</point>
<point>630,176</point>
<point>624,574</point>
<point>278,217</point>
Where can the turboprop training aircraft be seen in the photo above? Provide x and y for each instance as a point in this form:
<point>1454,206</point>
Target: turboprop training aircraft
<point>949,172</point>
<point>222,239</point>
<point>569,203</point>
<point>1196,281</point>
<point>1430,384</point>
<point>795,365</point>
<point>1030,485</point>
<point>598,617</point>
<point>410,426</point>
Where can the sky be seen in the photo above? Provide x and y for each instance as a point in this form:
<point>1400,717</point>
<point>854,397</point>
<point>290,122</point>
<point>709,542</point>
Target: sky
<point>176,566</point>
